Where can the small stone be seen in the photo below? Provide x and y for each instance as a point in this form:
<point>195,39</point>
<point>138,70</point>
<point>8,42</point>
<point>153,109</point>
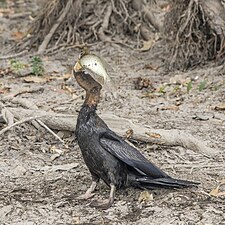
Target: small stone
<point>19,171</point>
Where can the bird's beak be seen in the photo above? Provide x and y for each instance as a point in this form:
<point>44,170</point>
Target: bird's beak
<point>77,67</point>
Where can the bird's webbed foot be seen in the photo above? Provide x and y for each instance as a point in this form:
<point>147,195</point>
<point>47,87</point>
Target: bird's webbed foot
<point>105,203</point>
<point>88,194</point>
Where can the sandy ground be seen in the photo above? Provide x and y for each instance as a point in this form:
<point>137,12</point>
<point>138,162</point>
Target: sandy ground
<point>37,188</point>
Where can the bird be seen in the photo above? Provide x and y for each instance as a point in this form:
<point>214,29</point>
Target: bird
<point>107,155</point>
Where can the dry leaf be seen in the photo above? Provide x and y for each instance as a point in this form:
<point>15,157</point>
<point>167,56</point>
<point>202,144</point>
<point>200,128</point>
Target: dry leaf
<point>129,133</point>
<point>142,82</point>
<point>145,196</point>
<point>222,182</point>
<point>5,11</point>
<point>221,194</point>
<point>150,67</point>
<point>65,76</point>
<point>76,220</point>
<point>170,107</point>
<point>42,79</point>
<point>35,79</point>
<point>166,7</point>
<point>220,107</point>
<point>5,71</point>
<point>53,149</point>
<point>154,135</point>
<point>56,152</point>
<point>215,191</point>
<point>68,89</point>
<point>202,116</point>
<point>8,116</point>
<point>18,35</point>
<point>4,90</point>
<point>5,210</point>
<point>63,167</point>
<point>179,79</point>
<point>147,45</point>
<point>19,171</point>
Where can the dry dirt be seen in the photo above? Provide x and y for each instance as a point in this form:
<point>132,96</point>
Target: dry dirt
<point>37,189</point>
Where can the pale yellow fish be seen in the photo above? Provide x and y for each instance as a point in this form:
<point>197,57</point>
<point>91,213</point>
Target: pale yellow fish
<point>93,65</point>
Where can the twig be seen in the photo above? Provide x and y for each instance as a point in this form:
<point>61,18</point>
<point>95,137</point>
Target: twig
<point>7,116</point>
<point>50,131</point>
<point>64,47</point>
<point>30,105</point>
<point>18,123</point>
<point>27,120</point>
<point>13,55</point>
<point>18,15</point>
<point>48,37</point>
<point>11,96</point>
<point>193,166</point>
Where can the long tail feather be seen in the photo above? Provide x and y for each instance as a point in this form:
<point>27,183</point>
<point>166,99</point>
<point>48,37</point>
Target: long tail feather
<point>166,182</point>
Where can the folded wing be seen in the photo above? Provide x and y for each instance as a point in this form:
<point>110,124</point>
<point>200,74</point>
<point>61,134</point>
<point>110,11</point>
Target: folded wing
<point>119,148</point>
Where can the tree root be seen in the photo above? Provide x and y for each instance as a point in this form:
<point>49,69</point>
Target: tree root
<point>48,37</point>
<point>105,24</point>
<point>120,126</point>
<point>72,22</point>
<point>196,30</point>
<point>3,57</point>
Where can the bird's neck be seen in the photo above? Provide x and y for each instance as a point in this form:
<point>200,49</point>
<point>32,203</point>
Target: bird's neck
<point>86,112</point>
<point>92,97</point>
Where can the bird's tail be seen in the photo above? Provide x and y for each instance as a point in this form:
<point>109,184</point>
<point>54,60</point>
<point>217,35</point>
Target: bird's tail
<point>164,182</point>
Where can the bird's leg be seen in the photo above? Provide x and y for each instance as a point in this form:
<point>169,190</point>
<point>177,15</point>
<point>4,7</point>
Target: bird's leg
<point>88,194</point>
<point>106,203</point>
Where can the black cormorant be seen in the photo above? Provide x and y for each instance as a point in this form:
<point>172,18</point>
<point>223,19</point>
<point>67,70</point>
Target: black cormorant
<point>108,156</point>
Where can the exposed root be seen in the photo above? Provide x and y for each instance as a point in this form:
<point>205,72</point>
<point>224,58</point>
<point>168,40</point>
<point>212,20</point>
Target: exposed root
<point>196,30</point>
<point>140,133</point>
<point>76,22</point>
<point>13,55</point>
<point>53,29</point>
<point>105,24</point>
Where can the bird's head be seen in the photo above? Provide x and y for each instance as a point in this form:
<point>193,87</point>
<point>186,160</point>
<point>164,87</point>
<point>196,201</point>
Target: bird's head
<point>90,72</point>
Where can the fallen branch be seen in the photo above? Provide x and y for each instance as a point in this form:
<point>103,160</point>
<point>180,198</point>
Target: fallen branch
<point>9,117</point>
<point>120,126</point>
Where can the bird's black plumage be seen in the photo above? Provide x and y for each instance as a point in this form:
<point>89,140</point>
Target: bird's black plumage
<point>112,159</point>
<point>108,156</point>
<point>101,163</point>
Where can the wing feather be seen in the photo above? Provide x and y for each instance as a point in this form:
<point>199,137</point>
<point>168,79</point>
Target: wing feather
<point>119,148</point>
